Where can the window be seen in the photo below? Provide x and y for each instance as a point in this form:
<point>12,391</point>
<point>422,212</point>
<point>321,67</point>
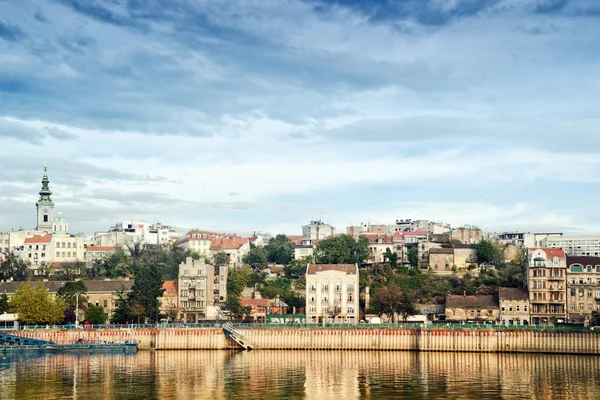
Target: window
<point>576,268</point>
<point>68,254</point>
<point>58,254</point>
<point>472,313</point>
<point>105,303</point>
<point>43,254</point>
<point>325,287</point>
<point>573,292</point>
<point>518,308</point>
<point>45,218</point>
<point>313,288</point>
<point>338,287</point>
<point>525,308</point>
<point>62,254</point>
<point>350,310</point>
<point>510,308</point>
<point>502,308</point>
<point>186,272</point>
<point>184,293</point>
<point>351,287</point>
<point>350,297</point>
<point>338,297</point>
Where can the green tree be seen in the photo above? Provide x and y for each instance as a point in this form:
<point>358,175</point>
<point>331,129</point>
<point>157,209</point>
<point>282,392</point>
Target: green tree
<point>68,294</point>
<point>256,258</point>
<point>280,249</point>
<point>95,315</point>
<point>35,305</point>
<point>238,280</point>
<point>219,259</point>
<point>145,292</point>
<point>413,257</point>
<point>122,313</point>
<point>406,307</point>
<point>297,268</point>
<point>14,267</point>
<point>3,303</point>
<point>391,257</point>
<point>342,249</point>
<point>486,251</point>
<point>386,300</point>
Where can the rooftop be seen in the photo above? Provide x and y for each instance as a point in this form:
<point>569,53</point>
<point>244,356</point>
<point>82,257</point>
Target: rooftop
<point>506,293</point>
<point>39,239</point>
<point>484,301</point>
<point>347,268</point>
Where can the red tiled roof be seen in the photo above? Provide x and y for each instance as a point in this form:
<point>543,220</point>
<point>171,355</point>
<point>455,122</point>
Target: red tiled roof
<point>297,239</point>
<point>373,237</point>
<point>39,239</point>
<point>347,268</point>
<point>228,243</point>
<point>550,252</point>
<point>101,248</point>
<point>255,302</point>
<point>170,286</point>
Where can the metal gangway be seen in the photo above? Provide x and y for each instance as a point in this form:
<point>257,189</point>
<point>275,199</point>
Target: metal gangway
<point>12,339</point>
<point>237,337</point>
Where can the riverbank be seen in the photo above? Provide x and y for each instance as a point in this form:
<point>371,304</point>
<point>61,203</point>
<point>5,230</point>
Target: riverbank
<point>385,339</point>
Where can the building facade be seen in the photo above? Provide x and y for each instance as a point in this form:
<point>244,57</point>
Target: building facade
<point>441,260</point>
<point>546,274</point>
<point>202,289</point>
<point>588,246</point>
<point>472,308</point>
<point>583,289</point>
<point>514,306</point>
<point>332,293</point>
<point>315,231</point>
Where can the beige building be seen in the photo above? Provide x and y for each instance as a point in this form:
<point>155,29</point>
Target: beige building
<point>315,231</point>
<point>94,252</point>
<point>332,293</point>
<point>545,272</point>
<point>441,260</point>
<point>464,256</point>
<point>235,247</point>
<point>378,245</point>
<point>583,288</point>
<point>514,306</point>
<point>472,308</point>
<point>202,289</point>
<point>467,235</point>
<point>169,301</point>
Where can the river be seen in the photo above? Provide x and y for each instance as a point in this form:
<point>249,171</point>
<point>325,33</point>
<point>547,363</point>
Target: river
<point>297,375</point>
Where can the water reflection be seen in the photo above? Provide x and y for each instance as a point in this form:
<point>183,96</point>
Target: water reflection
<point>296,374</point>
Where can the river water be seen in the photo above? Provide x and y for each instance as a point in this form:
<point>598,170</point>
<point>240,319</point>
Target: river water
<point>297,375</point>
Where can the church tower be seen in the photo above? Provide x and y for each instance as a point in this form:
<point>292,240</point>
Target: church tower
<point>45,206</point>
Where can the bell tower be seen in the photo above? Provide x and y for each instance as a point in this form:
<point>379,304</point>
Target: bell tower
<point>45,206</point>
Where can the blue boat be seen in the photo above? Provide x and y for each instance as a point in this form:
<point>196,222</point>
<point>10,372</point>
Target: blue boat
<point>12,344</point>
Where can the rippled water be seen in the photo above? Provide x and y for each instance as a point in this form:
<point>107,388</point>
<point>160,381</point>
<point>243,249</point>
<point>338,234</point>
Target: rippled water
<point>295,374</point>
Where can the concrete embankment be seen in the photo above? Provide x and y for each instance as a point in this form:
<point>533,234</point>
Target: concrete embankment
<point>457,340</point>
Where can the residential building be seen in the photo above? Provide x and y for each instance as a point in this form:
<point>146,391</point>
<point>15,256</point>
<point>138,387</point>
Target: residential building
<point>99,292</point>
<point>514,306</point>
<point>472,308</point>
<point>201,290</point>
<point>94,252</point>
<point>262,307</point>
<point>467,235</point>
<point>378,245</point>
<point>588,246</point>
<point>332,292</point>
<point>545,279</point>
<point>465,255</point>
<point>235,247</point>
<point>169,301</point>
<point>315,231</point>
<point>583,288</point>
<point>112,239</point>
<point>441,260</point>
<point>142,232</point>
<point>539,240</point>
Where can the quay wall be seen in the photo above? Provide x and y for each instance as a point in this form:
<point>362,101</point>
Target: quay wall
<point>454,340</point>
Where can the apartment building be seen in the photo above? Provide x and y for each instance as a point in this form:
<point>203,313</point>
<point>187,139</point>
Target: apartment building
<point>202,288</point>
<point>546,277</point>
<point>514,306</point>
<point>583,288</point>
<point>332,293</point>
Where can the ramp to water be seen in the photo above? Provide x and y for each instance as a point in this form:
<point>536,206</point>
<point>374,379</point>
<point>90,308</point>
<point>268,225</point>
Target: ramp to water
<point>12,339</point>
<point>237,337</point>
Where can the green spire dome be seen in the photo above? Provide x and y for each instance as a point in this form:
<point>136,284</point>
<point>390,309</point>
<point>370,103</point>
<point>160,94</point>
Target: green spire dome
<point>45,193</point>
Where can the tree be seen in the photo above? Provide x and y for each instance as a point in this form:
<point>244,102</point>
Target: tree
<point>68,294</point>
<point>342,249</point>
<point>280,249</point>
<point>14,267</point>
<point>147,288</point>
<point>219,259</point>
<point>238,280</point>
<point>413,257</point>
<point>297,268</point>
<point>256,258</point>
<point>3,303</point>
<point>237,311</point>
<point>406,307</point>
<point>486,251</point>
<point>391,257</point>
<point>386,300</point>
<point>122,313</point>
<point>95,315</point>
<point>35,305</point>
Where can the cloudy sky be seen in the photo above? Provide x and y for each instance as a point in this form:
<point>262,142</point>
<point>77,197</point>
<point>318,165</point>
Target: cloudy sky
<point>264,114</point>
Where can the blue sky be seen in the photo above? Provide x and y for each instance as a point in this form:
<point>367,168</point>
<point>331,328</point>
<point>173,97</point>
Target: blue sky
<point>264,114</point>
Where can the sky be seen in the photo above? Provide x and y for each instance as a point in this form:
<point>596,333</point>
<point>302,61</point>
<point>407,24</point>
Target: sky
<point>261,115</point>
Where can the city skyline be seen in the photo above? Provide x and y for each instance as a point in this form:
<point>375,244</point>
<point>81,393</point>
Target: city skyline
<point>253,116</point>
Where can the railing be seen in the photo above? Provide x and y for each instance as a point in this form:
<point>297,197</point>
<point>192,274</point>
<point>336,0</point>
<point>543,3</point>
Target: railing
<point>389,325</point>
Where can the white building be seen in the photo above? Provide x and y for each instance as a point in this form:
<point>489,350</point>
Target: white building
<point>137,232</point>
<point>332,293</point>
<point>575,245</point>
<point>315,231</point>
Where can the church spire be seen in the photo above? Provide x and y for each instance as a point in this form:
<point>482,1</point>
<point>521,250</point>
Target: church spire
<point>45,193</point>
